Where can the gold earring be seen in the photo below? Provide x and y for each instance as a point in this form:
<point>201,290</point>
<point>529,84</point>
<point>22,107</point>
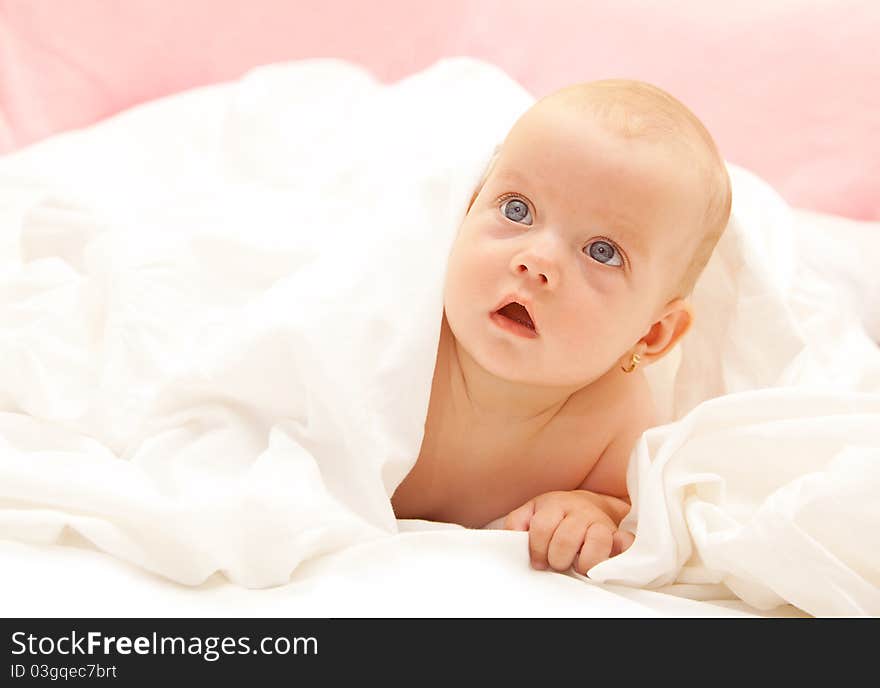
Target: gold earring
<point>633,363</point>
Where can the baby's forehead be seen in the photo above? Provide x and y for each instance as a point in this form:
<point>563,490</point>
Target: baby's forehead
<point>557,147</point>
<point>646,118</point>
<point>638,186</point>
<point>634,111</point>
<point>549,120</point>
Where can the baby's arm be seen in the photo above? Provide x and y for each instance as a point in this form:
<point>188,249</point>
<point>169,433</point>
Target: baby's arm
<point>580,528</point>
<point>608,475</point>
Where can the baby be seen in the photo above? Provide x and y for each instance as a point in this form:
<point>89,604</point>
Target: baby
<point>567,277</point>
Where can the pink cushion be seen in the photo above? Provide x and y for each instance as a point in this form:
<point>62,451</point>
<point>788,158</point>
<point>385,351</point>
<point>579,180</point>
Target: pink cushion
<point>790,90</point>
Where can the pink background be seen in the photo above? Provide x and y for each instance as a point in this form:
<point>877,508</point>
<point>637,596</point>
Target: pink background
<point>789,88</point>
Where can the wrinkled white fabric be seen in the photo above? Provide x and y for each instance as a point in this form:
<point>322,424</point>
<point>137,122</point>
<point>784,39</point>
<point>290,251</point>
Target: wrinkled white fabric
<point>770,488</point>
<point>219,315</point>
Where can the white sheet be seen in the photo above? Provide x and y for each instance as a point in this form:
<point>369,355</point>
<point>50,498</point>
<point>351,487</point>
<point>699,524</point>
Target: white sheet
<point>219,315</point>
<point>769,489</point>
<point>427,570</point>
<point>843,255</point>
<point>239,297</point>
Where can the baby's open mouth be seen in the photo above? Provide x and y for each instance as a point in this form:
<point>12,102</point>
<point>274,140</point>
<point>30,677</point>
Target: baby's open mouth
<point>518,313</point>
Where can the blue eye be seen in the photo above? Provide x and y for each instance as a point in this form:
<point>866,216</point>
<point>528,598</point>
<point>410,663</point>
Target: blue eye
<point>516,210</point>
<point>605,253</point>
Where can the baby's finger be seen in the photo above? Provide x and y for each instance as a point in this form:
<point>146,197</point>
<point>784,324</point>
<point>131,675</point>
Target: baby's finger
<point>519,519</point>
<point>566,541</point>
<point>596,547</point>
<point>541,530</point>
<point>621,541</point>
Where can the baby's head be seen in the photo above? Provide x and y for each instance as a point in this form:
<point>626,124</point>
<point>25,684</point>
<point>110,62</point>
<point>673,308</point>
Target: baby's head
<point>598,213</point>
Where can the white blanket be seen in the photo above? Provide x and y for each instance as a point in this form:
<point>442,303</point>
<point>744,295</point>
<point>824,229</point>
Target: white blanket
<point>219,315</point>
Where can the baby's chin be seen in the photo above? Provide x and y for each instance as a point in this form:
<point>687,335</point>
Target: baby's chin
<point>518,362</point>
<point>522,370</point>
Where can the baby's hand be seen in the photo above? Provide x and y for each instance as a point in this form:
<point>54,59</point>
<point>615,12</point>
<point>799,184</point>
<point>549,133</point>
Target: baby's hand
<point>571,528</point>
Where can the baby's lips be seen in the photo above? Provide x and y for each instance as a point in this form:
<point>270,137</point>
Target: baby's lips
<point>517,311</point>
<point>514,297</point>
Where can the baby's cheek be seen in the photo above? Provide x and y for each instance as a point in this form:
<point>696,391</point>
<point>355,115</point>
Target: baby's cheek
<point>604,286</point>
<point>476,264</point>
<point>595,338</point>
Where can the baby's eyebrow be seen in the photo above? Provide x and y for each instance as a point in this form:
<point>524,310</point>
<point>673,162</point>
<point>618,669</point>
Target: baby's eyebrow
<point>621,229</point>
<point>628,234</point>
<point>513,176</point>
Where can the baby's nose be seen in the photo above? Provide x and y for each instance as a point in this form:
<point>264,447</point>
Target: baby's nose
<point>541,258</point>
<point>541,276</point>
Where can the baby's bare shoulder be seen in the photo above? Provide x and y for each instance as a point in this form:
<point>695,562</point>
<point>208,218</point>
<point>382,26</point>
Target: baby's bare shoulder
<point>631,411</point>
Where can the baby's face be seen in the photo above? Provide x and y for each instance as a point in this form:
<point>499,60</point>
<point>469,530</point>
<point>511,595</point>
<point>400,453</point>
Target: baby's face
<point>589,230</point>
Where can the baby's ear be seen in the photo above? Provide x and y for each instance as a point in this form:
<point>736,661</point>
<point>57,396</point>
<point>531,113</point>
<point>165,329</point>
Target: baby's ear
<point>675,320</point>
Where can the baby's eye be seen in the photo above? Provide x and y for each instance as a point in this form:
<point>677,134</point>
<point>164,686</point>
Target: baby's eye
<point>516,210</point>
<point>605,253</point>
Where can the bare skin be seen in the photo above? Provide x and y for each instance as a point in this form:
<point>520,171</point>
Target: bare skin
<point>589,231</point>
<point>473,469</point>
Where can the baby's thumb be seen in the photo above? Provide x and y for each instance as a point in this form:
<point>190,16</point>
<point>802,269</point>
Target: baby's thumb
<point>519,519</point>
<point>621,542</point>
